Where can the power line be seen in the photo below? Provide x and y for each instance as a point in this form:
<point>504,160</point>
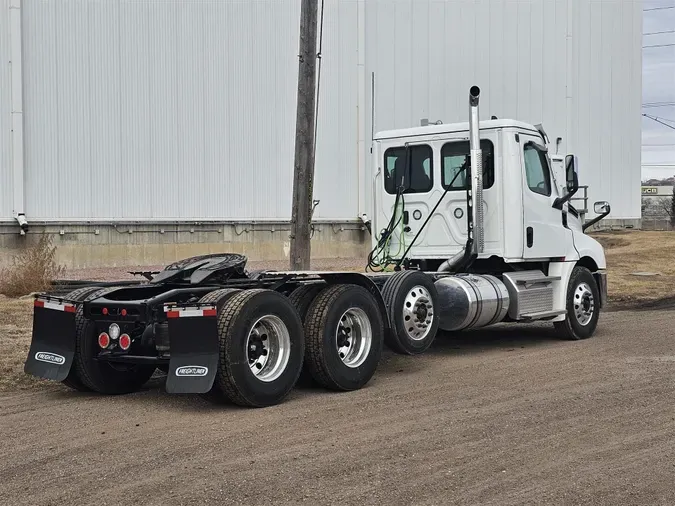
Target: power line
<point>664,119</point>
<point>659,8</point>
<point>659,33</point>
<point>658,104</point>
<point>654,118</point>
<point>659,45</point>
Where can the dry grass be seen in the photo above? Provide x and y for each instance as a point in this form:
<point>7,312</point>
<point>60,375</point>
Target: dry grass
<point>32,270</point>
<point>15,333</point>
<point>633,251</point>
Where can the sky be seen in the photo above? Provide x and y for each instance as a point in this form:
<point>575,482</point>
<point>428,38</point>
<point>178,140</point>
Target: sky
<point>658,88</point>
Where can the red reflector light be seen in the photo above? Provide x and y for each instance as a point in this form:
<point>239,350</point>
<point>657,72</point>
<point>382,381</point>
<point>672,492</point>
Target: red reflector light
<point>103,340</point>
<point>125,341</point>
<point>105,310</point>
<point>124,312</point>
<point>39,303</point>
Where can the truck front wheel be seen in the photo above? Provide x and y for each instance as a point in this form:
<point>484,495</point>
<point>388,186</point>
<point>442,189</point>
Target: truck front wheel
<point>411,300</point>
<point>583,310</point>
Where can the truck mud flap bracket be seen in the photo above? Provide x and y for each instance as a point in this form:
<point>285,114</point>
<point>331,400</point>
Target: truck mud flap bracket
<point>53,343</point>
<point>195,348</point>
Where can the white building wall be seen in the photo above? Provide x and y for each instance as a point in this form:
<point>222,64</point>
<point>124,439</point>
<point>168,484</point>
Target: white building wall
<point>574,66</point>
<point>185,110</point>
<point>6,173</point>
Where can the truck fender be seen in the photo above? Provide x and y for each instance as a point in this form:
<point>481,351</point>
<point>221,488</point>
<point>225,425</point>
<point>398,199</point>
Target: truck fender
<point>564,270</point>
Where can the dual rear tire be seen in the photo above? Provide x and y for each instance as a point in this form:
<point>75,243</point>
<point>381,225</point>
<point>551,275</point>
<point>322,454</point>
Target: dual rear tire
<point>265,344</point>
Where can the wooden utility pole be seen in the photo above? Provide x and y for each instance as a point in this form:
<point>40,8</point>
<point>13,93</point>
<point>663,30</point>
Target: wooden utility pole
<point>303,173</point>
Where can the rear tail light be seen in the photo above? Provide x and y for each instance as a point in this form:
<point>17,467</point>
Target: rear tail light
<point>103,340</point>
<point>125,341</point>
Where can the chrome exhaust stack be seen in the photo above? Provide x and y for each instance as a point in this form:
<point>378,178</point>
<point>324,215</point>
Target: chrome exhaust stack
<point>476,242</point>
<point>476,173</point>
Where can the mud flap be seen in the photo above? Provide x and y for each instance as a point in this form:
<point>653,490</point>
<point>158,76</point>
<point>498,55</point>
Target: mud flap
<point>195,348</point>
<point>53,343</point>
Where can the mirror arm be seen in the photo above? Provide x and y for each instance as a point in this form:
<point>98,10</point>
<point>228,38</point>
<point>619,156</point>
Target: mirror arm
<point>596,219</point>
<point>559,201</point>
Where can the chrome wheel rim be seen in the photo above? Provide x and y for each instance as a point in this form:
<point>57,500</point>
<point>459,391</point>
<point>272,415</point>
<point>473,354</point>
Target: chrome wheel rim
<point>418,313</point>
<point>268,348</point>
<point>354,337</point>
<point>584,304</point>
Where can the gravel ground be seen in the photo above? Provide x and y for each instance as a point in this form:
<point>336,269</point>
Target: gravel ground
<point>505,416</point>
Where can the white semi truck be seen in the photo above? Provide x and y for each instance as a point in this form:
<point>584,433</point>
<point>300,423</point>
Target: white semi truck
<point>470,227</point>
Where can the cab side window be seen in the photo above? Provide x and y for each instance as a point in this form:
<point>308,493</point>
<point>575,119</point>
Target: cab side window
<point>536,171</point>
<point>414,174</point>
<point>456,164</point>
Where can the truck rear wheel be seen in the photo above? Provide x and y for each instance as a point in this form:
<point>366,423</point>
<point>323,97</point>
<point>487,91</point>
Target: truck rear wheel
<point>345,334</point>
<point>411,300</point>
<point>81,294</point>
<point>261,348</point>
<point>582,301</point>
<point>303,296</point>
<point>219,298</point>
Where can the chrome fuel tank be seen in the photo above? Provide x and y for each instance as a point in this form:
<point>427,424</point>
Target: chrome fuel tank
<point>471,300</point>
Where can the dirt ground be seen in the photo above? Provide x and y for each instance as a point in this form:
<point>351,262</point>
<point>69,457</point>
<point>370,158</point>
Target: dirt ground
<point>506,416</point>
<point>510,415</point>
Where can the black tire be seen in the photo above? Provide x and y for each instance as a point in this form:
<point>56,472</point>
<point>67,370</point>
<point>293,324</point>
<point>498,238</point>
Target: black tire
<point>234,377</point>
<point>396,289</point>
<point>73,380</point>
<point>302,297</point>
<point>582,294</point>
<point>219,298</point>
<point>322,324</point>
<point>104,377</point>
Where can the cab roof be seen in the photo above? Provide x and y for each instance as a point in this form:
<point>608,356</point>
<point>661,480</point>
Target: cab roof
<point>491,124</point>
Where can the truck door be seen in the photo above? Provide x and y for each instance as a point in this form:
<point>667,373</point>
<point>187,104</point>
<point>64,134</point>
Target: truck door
<point>545,236</point>
<point>408,184</point>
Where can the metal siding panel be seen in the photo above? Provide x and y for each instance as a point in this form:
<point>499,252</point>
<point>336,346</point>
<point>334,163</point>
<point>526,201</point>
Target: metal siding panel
<point>186,109</point>
<point>165,110</point>
<point>336,182</point>
<point>555,62</point>
<point>6,174</point>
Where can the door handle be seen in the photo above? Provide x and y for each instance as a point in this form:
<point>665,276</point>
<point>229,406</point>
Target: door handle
<point>530,237</point>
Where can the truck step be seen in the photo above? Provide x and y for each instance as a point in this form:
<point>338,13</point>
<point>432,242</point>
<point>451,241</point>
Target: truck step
<point>530,293</point>
<point>537,279</point>
<point>542,314</point>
